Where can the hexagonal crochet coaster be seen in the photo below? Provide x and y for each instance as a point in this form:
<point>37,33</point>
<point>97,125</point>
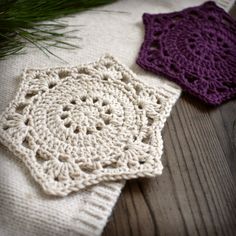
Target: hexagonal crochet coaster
<point>75,127</point>
<point>196,48</point>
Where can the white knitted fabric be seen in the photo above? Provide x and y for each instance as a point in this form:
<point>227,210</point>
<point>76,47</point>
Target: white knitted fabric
<point>77,126</point>
<point>225,4</point>
<point>24,209</point>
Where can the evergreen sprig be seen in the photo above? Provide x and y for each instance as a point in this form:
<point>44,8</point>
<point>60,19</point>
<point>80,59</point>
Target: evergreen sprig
<point>23,21</point>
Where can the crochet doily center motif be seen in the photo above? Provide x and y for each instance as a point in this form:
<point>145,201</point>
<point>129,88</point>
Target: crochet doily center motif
<point>83,111</point>
<point>74,127</point>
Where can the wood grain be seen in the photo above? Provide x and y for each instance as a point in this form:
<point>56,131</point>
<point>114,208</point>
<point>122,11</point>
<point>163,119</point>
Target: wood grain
<point>196,194</point>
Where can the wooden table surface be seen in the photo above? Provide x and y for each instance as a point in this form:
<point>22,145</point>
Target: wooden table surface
<point>196,194</point>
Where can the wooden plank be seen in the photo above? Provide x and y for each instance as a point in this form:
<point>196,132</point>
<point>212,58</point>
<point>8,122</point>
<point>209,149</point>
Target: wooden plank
<point>196,193</point>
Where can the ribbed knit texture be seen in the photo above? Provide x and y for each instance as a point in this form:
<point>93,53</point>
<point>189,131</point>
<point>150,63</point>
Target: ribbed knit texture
<point>24,209</point>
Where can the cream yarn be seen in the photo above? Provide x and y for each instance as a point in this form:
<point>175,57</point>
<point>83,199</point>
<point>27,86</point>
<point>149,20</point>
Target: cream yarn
<point>75,127</point>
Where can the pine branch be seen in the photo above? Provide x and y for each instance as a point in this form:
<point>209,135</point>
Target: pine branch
<point>20,23</point>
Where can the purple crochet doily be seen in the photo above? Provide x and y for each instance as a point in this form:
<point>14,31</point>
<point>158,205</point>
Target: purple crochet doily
<point>196,48</point>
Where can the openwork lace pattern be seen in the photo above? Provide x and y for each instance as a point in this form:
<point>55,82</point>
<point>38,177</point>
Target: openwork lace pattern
<point>196,48</point>
<point>75,127</point>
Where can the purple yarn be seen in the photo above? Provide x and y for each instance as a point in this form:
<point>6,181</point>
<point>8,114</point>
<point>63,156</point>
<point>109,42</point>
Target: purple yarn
<point>196,48</point>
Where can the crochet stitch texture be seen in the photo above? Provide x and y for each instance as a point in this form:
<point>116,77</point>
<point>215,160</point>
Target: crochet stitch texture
<point>75,127</point>
<point>196,48</point>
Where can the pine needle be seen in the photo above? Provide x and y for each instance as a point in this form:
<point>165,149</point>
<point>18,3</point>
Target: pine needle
<point>21,23</point>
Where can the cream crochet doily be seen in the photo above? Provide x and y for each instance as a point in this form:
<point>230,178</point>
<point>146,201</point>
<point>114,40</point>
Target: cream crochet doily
<point>75,127</point>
